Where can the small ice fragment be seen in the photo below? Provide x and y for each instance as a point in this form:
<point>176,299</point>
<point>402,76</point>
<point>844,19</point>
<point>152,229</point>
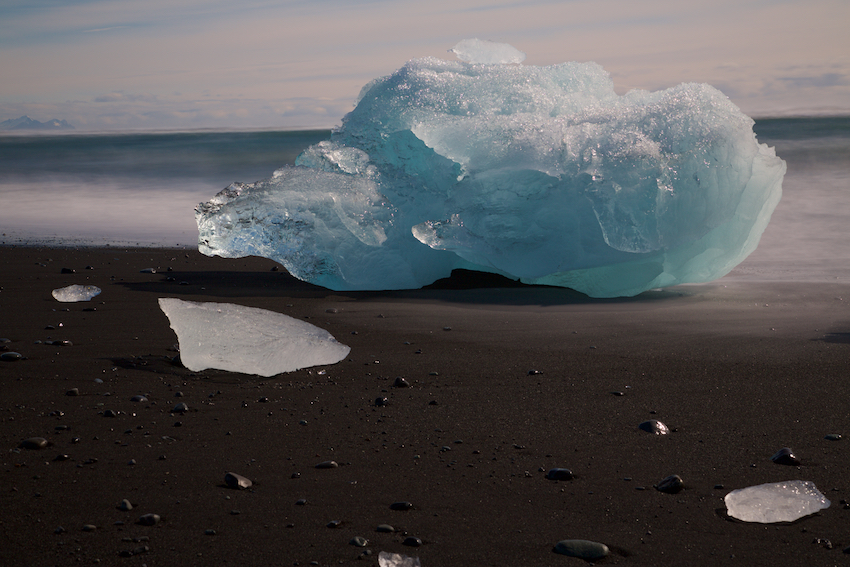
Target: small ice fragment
<point>778,502</point>
<point>246,339</point>
<point>386,559</point>
<point>487,52</point>
<point>75,292</point>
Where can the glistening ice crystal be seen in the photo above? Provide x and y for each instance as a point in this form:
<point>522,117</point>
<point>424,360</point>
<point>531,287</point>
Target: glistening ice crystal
<point>542,174</point>
<point>776,502</point>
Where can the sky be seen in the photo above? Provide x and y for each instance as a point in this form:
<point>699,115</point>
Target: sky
<point>187,64</point>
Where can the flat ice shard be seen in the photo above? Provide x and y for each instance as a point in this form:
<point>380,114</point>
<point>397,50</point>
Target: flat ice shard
<point>779,502</point>
<point>246,339</point>
<point>75,292</point>
<point>487,52</point>
<point>386,559</point>
<point>542,174</point>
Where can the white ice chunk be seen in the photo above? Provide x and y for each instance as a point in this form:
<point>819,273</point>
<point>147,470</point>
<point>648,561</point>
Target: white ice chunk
<point>777,502</point>
<point>246,339</point>
<point>487,52</point>
<point>386,559</point>
<point>75,292</point>
<point>543,174</point>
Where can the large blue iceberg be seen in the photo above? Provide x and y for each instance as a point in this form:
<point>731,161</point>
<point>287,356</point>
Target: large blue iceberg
<point>543,174</point>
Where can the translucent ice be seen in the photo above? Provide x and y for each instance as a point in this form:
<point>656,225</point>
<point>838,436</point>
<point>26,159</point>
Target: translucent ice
<point>75,292</point>
<point>246,339</point>
<point>779,502</point>
<point>487,52</point>
<point>543,174</point>
<point>386,559</point>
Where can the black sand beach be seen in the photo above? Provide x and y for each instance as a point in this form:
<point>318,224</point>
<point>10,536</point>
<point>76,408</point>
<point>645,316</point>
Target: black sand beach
<point>506,382</point>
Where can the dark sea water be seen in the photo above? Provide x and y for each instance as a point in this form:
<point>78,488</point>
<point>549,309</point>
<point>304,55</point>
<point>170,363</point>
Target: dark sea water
<point>142,188</point>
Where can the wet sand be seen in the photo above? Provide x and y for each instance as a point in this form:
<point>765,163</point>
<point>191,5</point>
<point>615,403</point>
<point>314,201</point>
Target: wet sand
<point>736,370</point>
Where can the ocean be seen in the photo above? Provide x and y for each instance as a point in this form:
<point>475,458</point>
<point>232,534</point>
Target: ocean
<point>140,189</point>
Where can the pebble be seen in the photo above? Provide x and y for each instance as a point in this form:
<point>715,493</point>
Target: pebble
<point>327,465</point>
<point>334,524</point>
<point>209,532</point>
<point>401,383</point>
<point>654,426</point>
<point>785,456</point>
<point>125,506</point>
<point>237,481</point>
<point>73,392</point>
<point>89,527</point>
<point>381,402</point>
<point>359,541</point>
<point>139,399</point>
<point>10,356</point>
<point>180,408</point>
<point>34,443</point>
<point>412,541</point>
<point>833,437</point>
<point>385,529</point>
<point>581,548</point>
<point>148,520</point>
<point>559,474</point>
<point>109,413</point>
<point>401,506</point>
<point>672,484</point>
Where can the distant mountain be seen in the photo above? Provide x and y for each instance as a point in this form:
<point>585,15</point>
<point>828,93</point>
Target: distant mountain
<point>27,123</point>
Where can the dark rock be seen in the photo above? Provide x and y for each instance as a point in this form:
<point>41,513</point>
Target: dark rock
<point>401,383</point>
<point>180,408</point>
<point>785,456</point>
<point>139,399</point>
<point>10,356</point>
<point>401,506</point>
<point>385,528</point>
<point>237,481</point>
<point>671,485</point>
<point>582,548</point>
<point>34,443</point>
<point>412,541</point>
<point>327,465</point>
<point>559,474</point>
<point>148,520</point>
<point>359,541</point>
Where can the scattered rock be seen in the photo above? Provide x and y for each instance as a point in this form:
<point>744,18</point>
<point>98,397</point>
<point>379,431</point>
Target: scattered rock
<point>180,408</point>
<point>654,426</point>
<point>559,474</point>
<point>833,437</point>
<point>412,541</point>
<point>125,506</point>
<point>10,356</point>
<point>581,548</point>
<point>785,456</point>
<point>327,465</point>
<point>401,383</point>
<point>403,506</point>
<point>672,484</point>
<point>34,443</point>
<point>89,527</point>
<point>237,481</point>
<point>334,524</point>
<point>73,392</point>
<point>359,541</point>
<point>385,529</point>
<point>148,520</point>
<point>139,399</point>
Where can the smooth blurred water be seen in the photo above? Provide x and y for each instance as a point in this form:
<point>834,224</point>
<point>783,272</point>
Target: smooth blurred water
<point>142,188</point>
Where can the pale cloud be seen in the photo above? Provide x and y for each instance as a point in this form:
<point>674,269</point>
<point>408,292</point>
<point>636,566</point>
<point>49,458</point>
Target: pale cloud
<point>302,63</point>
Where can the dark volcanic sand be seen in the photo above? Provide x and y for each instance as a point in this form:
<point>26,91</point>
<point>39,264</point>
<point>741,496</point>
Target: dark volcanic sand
<point>737,371</point>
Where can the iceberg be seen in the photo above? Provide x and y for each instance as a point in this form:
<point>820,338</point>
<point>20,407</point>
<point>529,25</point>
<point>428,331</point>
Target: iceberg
<point>542,174</point>
<point>246,339</point>
<point>74,293</point>
<point>777,502</point>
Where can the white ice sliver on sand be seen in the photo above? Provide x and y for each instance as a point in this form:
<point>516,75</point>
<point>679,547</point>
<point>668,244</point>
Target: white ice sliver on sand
<point>75,292</point>
<point>386,559</point>
<point>246,339</point>
<point>777,502</point>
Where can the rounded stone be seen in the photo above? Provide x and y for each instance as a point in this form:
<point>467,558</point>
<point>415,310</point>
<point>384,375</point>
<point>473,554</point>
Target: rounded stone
<point>359,541</point>
<point>139,399</point>
<point>403,506</point>
<point>10,356</point>
<point>125,506</point>
<point>672,484</point>
<point>148,520</point>
<point>833,437</point>
<point>559,474</point>
<point>34,443</point>
<point>654,426</point>
<point>180,408</point>
<point>237,481</point>
<point>385,528</point>
<point>582,548</point>
<point>401,383</point>
<point>327,465</point>
<point>412,541</point>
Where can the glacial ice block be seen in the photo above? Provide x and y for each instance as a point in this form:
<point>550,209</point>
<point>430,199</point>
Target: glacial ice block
<point>75,292</point>
<point>387,559</point>
<point>246,339</point>
<point>778,502</point>
<point>542,174</point>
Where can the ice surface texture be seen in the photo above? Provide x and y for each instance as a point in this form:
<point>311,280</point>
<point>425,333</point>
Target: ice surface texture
<point>386,559</point>
<point>543,174</point>
<point>75,292</point>
<point>779,502</point>
<point>246,339</point>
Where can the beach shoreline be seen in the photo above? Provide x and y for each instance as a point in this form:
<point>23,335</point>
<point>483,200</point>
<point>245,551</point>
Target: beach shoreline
<point>507,382</point>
